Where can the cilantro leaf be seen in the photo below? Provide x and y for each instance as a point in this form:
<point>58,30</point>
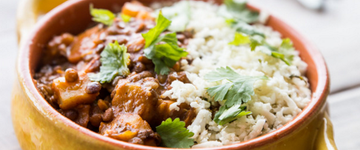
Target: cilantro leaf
<point>280,56</point>
<point>174,134</point>
<point>168,52</point>
<point>240,39</point>
<point>243,27</point>
<point>221,74</point>
<point>219,92</point>
<point>242,90</point>
<point>239,11</point>
<point>286,44</point>
<point>114,61</point>
<point>161,25</point>
<point>125,18</point>
<point>236,92</point>
<point>102,15</point>
<point>225,115</point>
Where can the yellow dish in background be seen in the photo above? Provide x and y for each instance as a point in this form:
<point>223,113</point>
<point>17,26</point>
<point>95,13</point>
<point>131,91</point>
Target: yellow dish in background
<point>28,13</point>
<point>317,132</point>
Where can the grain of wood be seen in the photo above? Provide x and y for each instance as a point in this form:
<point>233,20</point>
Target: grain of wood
<point>344,113</point>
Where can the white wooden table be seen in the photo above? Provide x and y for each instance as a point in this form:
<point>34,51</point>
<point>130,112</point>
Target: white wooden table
<point>336,32</point>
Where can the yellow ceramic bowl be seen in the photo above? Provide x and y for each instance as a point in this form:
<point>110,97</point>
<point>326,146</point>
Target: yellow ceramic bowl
<point>38,126</point>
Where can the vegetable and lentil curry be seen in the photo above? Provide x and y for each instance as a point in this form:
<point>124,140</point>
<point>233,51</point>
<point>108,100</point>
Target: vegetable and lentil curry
<point>110,78</point>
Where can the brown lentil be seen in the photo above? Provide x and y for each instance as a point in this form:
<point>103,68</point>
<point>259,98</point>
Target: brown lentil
<point>71,75</point>
<point>93,87</point>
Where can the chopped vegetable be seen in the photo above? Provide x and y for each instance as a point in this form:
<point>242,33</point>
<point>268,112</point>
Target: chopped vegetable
<point>238,16</point>
<point>125,18</point>
<point>299,77</point>
<point>235,92</point>
<point>132,8</point>
<point>281,52</point>
<point>161,25</point>
<point>114,61</point>
<point>257,40</point>
<point>240,39</point>
<point>225,115</point>
<point>174,134</point>
<point>166,54</point>
<point>179,16</point>
<point>238,11</point>
<point>286,44</point>
<point>102,15</point>
<point>246,28</point>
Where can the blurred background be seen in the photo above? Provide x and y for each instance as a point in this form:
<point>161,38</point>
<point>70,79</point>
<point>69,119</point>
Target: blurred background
<point>332,25</point>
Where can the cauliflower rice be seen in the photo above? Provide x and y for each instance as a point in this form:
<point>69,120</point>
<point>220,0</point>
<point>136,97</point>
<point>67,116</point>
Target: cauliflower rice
<point>276,101</point>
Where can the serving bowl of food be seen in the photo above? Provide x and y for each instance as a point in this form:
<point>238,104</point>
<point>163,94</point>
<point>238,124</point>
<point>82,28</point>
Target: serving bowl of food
<point>114,74</point>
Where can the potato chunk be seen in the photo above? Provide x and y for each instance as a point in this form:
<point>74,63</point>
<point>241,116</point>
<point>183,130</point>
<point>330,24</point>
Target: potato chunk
<point>136,94</point>
<point>69,95</point>
<point>131,128</point>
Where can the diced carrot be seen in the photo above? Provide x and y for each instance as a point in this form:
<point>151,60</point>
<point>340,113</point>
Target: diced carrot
<point>125,136</point>
<point>131,9</point>
<point>144,15</point>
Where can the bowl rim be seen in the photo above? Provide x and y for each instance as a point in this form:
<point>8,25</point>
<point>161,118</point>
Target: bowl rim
<point>318,97</point>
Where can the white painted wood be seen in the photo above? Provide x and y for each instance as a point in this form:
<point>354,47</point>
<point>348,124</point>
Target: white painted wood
<point>345,116</point>
<point>8,53</point>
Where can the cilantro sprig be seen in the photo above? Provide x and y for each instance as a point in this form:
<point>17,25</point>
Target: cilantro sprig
<point>162,50</point>
<point>174,134</point>
<point>114,61</point>
<point>240,12</point>
<point>240,39</point>
<point>105,16</point>
<point>254,41</point>
<point>102,15</point>
<point>235,93</point>
<point>226,115</point>
<point>239,17</point>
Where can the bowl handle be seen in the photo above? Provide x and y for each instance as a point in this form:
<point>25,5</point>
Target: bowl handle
<point>325,137</point>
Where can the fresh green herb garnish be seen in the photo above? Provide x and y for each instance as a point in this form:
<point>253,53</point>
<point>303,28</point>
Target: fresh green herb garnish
<point>226,115</point>
<point>114,61</point>
<point>235,93</point>
<point>102,15</point>
<point>257,40</point>
<point>240,12</point>
<point>299,77</point>
<point>243,27</point>
<point>240,39</point>
<point>125,18</point>
<point>165,54</point>
<point>174,134</point>
<point>239,17</point>
<point>280,52</point>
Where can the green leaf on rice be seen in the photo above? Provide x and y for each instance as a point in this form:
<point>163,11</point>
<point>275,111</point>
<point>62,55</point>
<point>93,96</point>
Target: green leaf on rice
<point>236,92</point>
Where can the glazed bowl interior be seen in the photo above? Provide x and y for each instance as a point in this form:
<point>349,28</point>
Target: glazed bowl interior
<point>74,17</point>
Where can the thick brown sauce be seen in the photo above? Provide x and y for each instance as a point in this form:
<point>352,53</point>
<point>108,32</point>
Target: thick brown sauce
<point>127,109</point>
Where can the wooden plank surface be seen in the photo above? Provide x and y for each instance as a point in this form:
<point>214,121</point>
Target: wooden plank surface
<point>8,53</point>
<point>335,31</point>
<point>344,113</point>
